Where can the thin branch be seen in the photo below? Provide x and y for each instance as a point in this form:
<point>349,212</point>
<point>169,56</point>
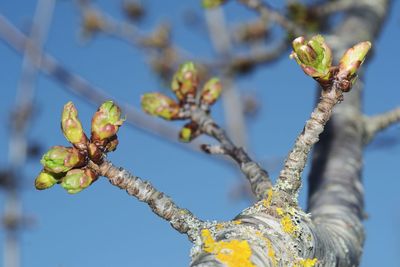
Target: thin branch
<point>233,108</point>
<point>180,219</point>
<point>214,149</point>
<point>330,7</point>
<point>257,176</point>
<point>164,56</point>
<point>245,63</point>
<point>268,14</point>
<point>18,144</point>
<point>377,123</point>
<point>289,179</point>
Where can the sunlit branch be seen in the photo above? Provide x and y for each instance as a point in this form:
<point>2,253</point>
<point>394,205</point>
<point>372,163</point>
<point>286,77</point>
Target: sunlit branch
<point>180,219</point>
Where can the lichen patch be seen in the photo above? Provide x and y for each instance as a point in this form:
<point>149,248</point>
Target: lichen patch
<point>233,253</point>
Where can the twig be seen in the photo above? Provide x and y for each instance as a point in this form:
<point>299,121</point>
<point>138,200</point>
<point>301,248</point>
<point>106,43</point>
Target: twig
<point>180,219</point>
<point>331,7</point>
<point>18,131</point>
<point>267,14</point>
<point>214,149</point>
<point>163,55</point>
<point>289,179</point>
<point>245,63</point>
<point>377,123</point>
<point>258,178</point>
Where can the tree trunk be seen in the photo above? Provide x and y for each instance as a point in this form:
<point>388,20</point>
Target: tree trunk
<point>271,233</point>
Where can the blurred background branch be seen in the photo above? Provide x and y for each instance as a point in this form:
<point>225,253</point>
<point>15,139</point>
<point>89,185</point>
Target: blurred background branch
<point>21,118</point>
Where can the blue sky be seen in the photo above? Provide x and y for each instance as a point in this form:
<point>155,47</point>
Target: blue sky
<point>102,226</point>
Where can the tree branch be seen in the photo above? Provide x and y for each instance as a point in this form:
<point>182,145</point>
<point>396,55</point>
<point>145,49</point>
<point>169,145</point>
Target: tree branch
<point>330,7</point>
<point>13,219</point>
<point>180,219</point>
<point>289,179</point>
<point>267,14</point>
<point>377,123</point>
<point>257,177</point>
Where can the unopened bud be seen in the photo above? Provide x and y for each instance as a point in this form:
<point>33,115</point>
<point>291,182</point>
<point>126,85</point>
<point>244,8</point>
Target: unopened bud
<point>93,21</point>
<point>72,127</point>
<point>106,121</point>
<point>134,10</point>
<point>211,91</point>
<point>353,58</point>
<point>78,179</point>
<point>185,81</point>
<point>45,180</point>
<point>189,132</point>
<point>314,57</point>
<point>61,159</point>
<point>160,105</point>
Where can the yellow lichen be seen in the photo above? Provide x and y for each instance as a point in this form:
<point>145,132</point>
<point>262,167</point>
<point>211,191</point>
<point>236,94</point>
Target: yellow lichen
<point>287,225</point>
<point>286,222</point>
<point>236,222</point>
<point>280,211</point>
<point>219,226</point>
<point>233,253</point>
<point>269,197</point>
<point>306,263</point>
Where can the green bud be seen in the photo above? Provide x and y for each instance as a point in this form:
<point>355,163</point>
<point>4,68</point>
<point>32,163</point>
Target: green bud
<point>45,180</point>
<point>72,127</point>
<point>211,91</point>
<point>185,81</point>
<point>160,105</point>
<point>106,121</point>
<point>353,58</point>
<point>189,132</point>
<point>314,57</point>
<point>61,159</point>
<point>78,179</point>
<point>306,54</point>
<point>212,3</point>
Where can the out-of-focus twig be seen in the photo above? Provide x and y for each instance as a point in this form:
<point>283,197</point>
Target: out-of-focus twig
<point>164,56</point>
<point>377,123</point>
<point>269,14</point>
<point>330,7</point>
<point>232,105</point>
<point>20,118</point>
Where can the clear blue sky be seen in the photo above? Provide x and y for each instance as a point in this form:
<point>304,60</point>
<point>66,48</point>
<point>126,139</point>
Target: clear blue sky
<point>102,226</point>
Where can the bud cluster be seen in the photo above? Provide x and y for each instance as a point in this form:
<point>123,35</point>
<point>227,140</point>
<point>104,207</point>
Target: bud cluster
<point>68,165</point>
<point>315,58</point>
<point>184,85</point>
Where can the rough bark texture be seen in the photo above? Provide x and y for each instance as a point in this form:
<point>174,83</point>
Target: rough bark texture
<point>181,219</point>
<point>275,233</point>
